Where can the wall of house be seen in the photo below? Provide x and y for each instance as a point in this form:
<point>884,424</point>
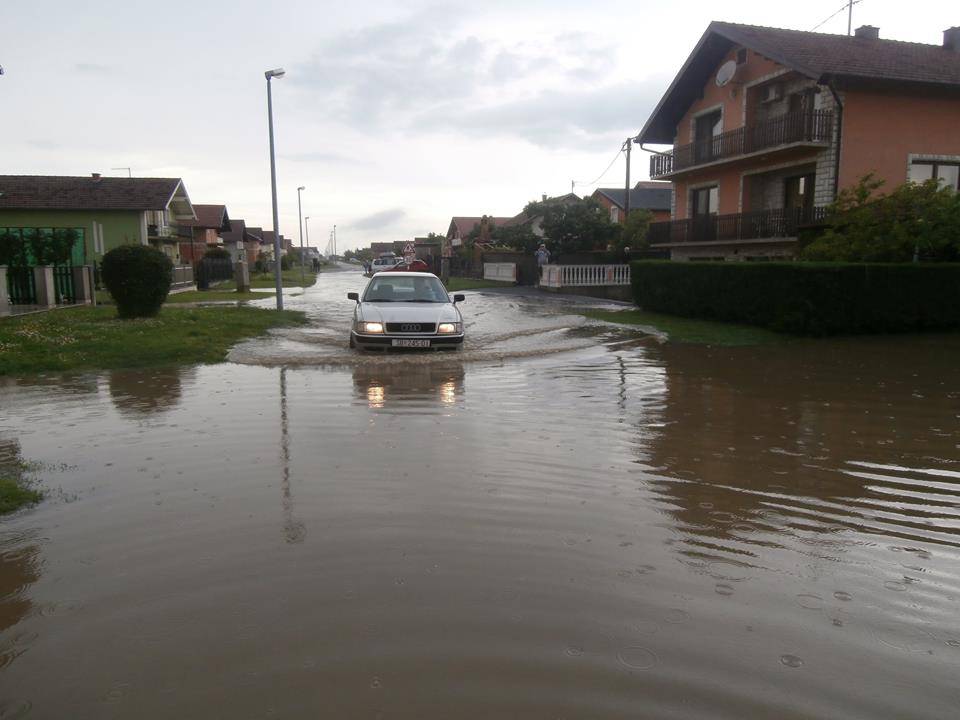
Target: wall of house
<point>730,97</point>
<point>117,227</point>
<point>880,131</point>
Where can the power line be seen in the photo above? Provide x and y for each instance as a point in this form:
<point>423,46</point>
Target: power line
<point>846,6</point>
<point>600,177</point>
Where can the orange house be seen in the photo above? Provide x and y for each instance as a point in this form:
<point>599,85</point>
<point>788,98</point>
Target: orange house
<point>767,125</point>
<point>653,196</point>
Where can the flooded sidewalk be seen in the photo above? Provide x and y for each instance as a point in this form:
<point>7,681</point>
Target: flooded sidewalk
<point>565,519</point>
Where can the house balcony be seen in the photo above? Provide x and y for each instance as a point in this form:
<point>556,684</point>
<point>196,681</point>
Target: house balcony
<point>798,129</point>
<point>780,225</point>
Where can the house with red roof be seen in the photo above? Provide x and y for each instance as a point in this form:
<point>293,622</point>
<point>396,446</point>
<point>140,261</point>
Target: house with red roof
<point>654,196</point>
<point>203,232</point>
<point>768,125</point>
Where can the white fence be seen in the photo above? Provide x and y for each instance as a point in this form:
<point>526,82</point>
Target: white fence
<point>500,271</point>
<point>559,276</point>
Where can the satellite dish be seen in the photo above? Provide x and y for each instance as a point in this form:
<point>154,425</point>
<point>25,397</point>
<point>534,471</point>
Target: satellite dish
<point>726,72</point>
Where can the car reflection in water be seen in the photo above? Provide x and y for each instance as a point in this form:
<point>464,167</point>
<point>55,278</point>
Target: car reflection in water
<point>380,384</point>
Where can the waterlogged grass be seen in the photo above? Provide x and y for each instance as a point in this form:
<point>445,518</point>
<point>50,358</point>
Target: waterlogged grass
<point>687,330</point>
<point>455,284</point>
<point>291,279</point>
<point>14,495</point>
<point>94,339</point>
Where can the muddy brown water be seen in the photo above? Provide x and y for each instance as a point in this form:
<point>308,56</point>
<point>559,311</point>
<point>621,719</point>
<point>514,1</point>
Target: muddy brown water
<point>564,520</point>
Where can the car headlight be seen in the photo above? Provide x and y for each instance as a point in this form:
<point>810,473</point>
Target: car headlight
<point>370,327</point>
<point>448,328</point>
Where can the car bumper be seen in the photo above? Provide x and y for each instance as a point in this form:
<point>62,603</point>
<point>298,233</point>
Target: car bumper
<point>385,342</point>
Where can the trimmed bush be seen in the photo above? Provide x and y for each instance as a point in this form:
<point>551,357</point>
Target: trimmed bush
<point>217,253</point>
<point>805,298</point>
<point>138,278</point>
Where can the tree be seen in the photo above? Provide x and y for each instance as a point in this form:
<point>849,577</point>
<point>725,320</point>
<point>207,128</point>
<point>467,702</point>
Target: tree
<point>577,227</point>
<point>916,219</point>
<point>634,232</point>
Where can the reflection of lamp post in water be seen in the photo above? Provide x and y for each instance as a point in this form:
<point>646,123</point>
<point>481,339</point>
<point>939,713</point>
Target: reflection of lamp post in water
<point>293,530</point>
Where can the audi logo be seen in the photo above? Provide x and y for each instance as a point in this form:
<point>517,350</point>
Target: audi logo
<point>409,327</point>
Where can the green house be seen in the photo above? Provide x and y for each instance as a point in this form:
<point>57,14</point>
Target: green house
<point>90,214</point>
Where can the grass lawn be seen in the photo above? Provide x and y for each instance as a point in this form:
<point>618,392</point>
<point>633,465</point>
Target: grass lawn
<point>456,284</point>
<point>14,496</point>
<point>291,278</point>
<point>94,339</point>
<point>687,330</point>
<point>217,295</point>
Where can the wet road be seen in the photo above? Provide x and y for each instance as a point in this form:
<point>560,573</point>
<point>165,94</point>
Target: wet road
<point>572,521</point>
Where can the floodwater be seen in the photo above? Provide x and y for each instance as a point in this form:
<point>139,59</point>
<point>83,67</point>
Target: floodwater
<point>564,520</point>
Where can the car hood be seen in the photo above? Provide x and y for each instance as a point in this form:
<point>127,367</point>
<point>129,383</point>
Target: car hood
<point>407,312</point>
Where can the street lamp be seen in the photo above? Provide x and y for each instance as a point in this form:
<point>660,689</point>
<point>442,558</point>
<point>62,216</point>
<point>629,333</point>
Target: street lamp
<point>303,258</point>
<point>269,75</point>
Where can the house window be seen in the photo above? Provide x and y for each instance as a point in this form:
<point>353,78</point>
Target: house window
<point>947,173</point>
<point>741,56</point>
<point>614,214</point>
<point>799,196</point>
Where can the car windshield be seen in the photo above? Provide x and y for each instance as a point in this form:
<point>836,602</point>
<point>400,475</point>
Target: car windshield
<point>400,288</point>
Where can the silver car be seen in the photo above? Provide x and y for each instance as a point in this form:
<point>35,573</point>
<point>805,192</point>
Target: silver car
<point>406,310</point>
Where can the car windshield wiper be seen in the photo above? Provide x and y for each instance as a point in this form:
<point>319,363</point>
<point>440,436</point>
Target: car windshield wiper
<point>427,301</point>
<point>379,300</point>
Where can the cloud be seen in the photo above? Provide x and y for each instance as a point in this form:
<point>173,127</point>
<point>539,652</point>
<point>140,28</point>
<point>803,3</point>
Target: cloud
<point>323,157</point>
<point>423,73</point>
<point>575,118</point>
<point>379,220</point>
<point>93,69</point>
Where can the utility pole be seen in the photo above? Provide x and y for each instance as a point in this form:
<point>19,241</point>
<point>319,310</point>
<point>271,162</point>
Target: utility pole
<point>850,18</point>
<point>626,191</point>
<point>334,241</point>
<point>303,257</point>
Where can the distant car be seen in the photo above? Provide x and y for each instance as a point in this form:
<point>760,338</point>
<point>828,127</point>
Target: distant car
<point>406,310</point>
<point>413,266</point>
<point>384,262</point>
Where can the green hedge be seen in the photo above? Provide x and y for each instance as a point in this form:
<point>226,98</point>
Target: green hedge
<point>805,298</point>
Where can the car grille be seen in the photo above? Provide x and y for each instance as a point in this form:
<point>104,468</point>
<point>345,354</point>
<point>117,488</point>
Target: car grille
<point>411,327</point>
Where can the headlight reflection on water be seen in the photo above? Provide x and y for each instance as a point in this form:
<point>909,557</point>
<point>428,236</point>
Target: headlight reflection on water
<point>376,395</point>
<point>448,392</point>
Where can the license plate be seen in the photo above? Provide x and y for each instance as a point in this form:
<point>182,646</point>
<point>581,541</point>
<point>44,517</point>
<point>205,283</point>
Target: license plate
<point>411,342</point>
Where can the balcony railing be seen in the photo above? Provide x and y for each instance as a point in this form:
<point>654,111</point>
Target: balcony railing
<point>805,126</point>
<point>757,225</point>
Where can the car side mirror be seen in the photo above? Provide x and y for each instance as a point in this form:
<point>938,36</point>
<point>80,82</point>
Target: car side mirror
<point>459,298</point>
<point>353,296</point>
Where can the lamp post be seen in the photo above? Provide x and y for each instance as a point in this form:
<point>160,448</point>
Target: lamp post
<point>303,258</point>
<point>269,75</point>
<point>306,221</point>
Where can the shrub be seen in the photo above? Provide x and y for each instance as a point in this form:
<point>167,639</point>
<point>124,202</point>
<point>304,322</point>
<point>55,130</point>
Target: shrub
<point>217,253</point>
<point>805,298</point>
<point>920,219</point>
<point>286,261</point>
<point>138,278</point>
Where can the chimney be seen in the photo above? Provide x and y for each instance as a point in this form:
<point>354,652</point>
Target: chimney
<point>96,177</point>
<point>951,39</point>
<point>867,31</point>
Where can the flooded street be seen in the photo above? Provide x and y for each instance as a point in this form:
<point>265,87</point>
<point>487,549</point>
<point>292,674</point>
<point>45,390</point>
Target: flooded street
<point>563,520</point>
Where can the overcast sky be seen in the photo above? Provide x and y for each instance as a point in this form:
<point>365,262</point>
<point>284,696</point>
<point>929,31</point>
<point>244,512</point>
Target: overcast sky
<point>394,115</point>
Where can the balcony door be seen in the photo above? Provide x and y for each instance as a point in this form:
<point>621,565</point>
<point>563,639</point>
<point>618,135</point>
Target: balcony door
<point>799,200</point>
<point>705,204</point>
<point>706,129</point>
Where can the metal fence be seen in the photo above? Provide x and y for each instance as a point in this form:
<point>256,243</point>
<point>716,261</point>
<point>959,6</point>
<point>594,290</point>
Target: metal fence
<point>21,286</point>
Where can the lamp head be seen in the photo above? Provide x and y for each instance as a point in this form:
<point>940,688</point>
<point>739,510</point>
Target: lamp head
<point>302,187</point>
<point>275,73</point>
